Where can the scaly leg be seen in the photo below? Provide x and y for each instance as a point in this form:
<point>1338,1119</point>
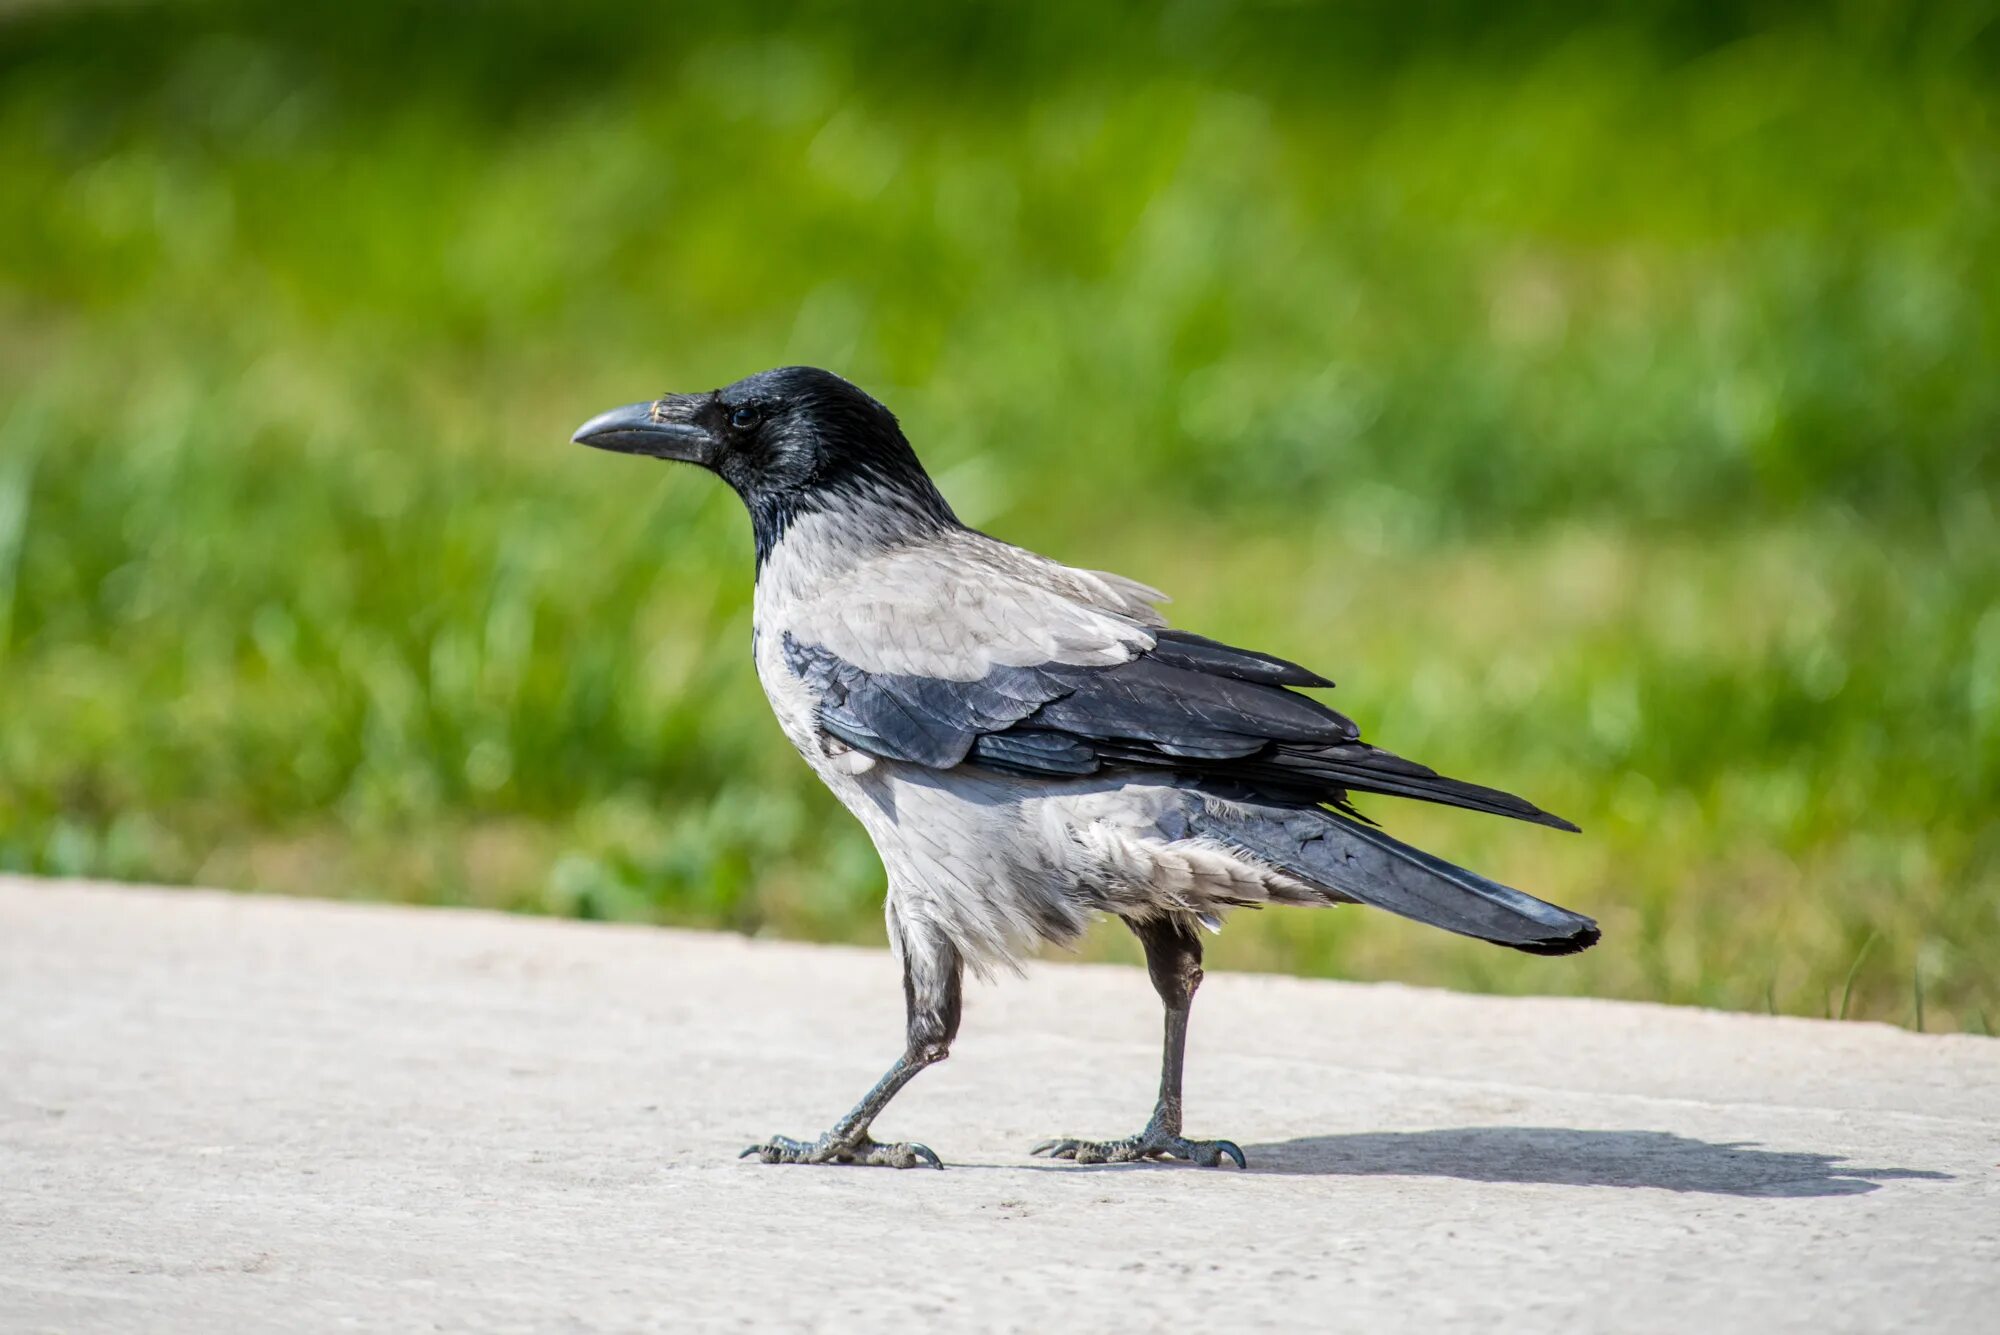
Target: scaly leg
<point>1173,958</point>
<point>932,993</point>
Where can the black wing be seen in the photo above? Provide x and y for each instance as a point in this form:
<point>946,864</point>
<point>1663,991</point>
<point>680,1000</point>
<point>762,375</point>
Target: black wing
<point>1189,705</point>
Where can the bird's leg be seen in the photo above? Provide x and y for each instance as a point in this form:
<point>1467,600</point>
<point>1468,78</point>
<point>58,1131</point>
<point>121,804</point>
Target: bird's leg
<point>932,976</point>
<point>1173,958</point>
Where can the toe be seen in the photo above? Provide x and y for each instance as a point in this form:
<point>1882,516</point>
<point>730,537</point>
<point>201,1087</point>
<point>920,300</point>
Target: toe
<point>783,1149</point>
<point>901,1156</point>
<point>1209,1153</point>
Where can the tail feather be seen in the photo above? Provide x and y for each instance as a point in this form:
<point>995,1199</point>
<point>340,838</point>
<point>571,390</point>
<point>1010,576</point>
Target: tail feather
<point>1357,862</point>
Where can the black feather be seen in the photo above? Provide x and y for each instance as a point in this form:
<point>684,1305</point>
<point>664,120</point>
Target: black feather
<point>1368,769</point>
<point>1219,715</point>
<point>1035,753</point>
<point>1185,649</point>
<point>1151,700</point>
<point>924,720</point>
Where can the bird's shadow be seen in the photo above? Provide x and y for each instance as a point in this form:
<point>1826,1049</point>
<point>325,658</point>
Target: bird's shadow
<point>1568,1157</point>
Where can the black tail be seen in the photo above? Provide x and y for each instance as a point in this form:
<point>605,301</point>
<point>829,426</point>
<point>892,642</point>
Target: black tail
<point>1356,862</point>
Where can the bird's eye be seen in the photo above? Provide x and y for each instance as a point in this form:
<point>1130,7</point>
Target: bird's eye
<point>744,417</point>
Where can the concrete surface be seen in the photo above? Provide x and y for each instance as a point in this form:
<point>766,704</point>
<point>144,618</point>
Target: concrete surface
<point>223,1113</point>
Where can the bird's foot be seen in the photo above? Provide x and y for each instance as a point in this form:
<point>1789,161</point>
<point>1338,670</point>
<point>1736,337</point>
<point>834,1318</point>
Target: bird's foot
<point>1151,1143</point>
<point>857,1148</point>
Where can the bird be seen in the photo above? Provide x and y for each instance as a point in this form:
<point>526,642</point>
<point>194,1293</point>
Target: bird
<point>1031,746</point>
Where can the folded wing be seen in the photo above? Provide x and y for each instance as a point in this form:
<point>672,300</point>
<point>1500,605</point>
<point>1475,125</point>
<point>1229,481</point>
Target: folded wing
<point>1172,702</point>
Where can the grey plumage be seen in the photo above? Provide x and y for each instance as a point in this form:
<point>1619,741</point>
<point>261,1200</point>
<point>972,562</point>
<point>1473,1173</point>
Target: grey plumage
<point>1029,745</point>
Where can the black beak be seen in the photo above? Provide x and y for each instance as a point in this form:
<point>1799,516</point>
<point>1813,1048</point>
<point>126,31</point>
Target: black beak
<point>662,429</point>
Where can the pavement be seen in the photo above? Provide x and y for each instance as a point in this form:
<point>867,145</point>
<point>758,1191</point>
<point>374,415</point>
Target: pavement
<point>223,1113</point>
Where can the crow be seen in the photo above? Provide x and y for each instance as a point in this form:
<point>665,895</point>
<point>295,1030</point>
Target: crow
<point>1030,745</point>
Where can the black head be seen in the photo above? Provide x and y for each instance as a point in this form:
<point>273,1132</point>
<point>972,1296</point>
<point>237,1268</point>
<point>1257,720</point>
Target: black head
<point>794,441</point>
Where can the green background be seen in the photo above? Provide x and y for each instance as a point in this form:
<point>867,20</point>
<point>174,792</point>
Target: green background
<point>1609,406</point>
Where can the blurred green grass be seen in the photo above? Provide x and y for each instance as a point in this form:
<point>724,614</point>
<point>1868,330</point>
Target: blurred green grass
<point>1610,406</point>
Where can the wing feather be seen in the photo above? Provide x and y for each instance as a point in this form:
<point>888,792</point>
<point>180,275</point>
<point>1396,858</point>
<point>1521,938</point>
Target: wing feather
<point>989,655</point>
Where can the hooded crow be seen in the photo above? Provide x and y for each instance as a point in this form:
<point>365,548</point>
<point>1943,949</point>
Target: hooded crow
<point>1030,745</point>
